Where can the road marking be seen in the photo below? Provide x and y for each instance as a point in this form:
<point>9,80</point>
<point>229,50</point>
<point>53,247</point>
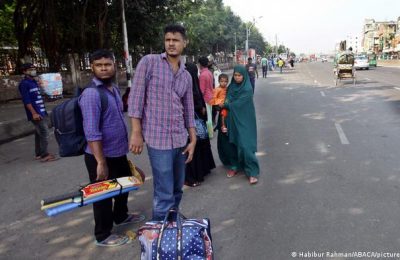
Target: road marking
<point>397,88</point>
<point>323,94</point>
<point>342,136</point>
<point>367,79</point>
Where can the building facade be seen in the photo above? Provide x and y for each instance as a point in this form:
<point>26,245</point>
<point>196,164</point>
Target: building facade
<point>381,38</point>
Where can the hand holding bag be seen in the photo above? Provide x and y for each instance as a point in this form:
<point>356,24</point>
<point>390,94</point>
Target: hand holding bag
<point>185,239</point>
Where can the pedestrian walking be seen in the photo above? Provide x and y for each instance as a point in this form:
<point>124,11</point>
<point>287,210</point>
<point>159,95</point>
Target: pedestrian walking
<point>291,62</point>
<point>203,160</point>
<point>264,66</point>
<point>161,108</point>
<point>252,70</point>
<point>36,112</point>
<point>237,149</point>
<point>281,63</point>
<point>105,154</point>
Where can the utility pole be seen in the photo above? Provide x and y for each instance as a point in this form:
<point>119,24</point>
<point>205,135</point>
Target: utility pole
<point>126,48</point>
<point>235,56</point>
<point>276,45</point>
<point>248,28</point>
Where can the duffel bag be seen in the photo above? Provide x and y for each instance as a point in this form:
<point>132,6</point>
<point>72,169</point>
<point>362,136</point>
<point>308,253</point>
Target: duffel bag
<point>186,239</point>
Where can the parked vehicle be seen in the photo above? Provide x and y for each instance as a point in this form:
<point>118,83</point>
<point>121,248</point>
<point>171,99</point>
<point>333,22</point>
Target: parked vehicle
<point>361,62</point>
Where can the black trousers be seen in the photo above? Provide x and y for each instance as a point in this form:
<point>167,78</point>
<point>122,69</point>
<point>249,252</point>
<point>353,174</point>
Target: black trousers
<point>104,212</point>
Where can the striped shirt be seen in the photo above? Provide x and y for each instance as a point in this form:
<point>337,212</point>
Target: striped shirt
<point>30,93</point>
<point>113,133</point>
<point>163,101</point>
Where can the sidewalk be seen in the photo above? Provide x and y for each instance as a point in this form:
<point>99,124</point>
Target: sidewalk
<point>389,63</point>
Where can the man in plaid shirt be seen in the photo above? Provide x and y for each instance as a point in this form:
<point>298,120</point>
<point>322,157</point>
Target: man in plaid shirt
<point>161,109</point>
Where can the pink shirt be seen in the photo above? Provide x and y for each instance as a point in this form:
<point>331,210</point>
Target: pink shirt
<point>206,84</point>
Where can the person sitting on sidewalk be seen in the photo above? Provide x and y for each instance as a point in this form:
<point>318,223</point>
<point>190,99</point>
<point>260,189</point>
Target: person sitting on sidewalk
<point>35,112</point>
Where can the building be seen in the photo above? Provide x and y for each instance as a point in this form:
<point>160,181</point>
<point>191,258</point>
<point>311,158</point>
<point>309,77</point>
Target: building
<point>381,38</point>
<point>355,42</point>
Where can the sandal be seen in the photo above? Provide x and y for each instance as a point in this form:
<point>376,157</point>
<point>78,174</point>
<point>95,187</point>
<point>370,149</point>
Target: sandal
<point>231,173</point>
<point>113,240</point>
<point>132,219</point>
<point>253,180</point>
<point>194,184</point>
<point>49,158</point>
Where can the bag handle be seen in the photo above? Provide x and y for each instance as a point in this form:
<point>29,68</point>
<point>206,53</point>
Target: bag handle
<point>179,218</point>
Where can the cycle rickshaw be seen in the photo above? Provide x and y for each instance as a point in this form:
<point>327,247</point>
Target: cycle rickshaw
<point>344,67</point>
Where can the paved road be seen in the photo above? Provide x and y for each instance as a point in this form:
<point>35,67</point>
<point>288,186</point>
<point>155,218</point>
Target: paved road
<point>330,179</point>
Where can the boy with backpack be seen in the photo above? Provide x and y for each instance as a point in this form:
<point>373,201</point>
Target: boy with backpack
<point>107,145</point>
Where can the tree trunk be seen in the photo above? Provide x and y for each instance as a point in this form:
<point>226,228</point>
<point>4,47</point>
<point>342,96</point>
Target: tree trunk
<point>75,70</point>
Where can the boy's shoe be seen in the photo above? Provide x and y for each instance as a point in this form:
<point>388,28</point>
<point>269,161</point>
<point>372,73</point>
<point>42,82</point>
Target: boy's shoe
<point>113,240</point>
<point>132,219</point>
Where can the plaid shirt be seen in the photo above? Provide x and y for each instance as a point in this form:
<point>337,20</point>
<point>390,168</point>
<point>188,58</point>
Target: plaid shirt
<point>113,133</point>
<point>163,101</point>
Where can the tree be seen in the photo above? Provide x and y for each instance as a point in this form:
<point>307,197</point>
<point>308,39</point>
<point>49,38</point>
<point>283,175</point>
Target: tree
<point>7,37</point>
<point>26,17</point>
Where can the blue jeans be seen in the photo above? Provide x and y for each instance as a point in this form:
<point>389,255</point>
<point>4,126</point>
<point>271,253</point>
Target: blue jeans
<point>168,168</point>
<point>253,83</point>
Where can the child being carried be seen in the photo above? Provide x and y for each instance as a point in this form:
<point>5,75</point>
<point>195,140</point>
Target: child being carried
<point>218,99</point>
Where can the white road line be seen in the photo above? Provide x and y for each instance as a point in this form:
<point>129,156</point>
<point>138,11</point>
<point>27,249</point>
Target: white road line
<point>397,88</point>
<point>323,94</point>
<point>342,136</point>
<point>367,79</point>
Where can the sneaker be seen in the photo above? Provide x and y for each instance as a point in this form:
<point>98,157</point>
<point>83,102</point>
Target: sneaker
<point>132,219</point>
<point>113,240</point>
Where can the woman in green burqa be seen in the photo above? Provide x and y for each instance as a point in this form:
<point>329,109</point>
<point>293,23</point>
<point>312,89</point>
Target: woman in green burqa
<point>238,146</point>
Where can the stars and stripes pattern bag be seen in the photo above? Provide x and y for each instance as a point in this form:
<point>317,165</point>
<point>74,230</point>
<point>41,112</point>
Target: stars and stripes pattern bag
<point>181,239</point>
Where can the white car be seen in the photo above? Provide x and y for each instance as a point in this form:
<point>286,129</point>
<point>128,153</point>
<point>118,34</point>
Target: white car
<point>324,59</point>
<point>361,62</point>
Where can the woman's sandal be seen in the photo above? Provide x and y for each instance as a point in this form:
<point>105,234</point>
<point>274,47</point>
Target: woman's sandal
<point>194,184</point>
<point>231,173</point>
<point>253,180</point>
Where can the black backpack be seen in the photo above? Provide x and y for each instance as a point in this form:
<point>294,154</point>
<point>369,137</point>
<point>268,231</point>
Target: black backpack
<point>68,123</point>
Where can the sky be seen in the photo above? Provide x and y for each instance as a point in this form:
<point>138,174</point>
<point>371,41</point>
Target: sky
<point>312,26</point>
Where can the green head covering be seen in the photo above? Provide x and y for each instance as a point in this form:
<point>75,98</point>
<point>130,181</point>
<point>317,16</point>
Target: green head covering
<point>237,150</point>
<point>243,89</point>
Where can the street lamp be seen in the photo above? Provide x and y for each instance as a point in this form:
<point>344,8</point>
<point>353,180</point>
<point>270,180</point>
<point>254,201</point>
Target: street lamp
<point>248,28</point>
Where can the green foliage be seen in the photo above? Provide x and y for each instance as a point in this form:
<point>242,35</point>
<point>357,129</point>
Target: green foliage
<point>79,26</point>
<point>7,37</point>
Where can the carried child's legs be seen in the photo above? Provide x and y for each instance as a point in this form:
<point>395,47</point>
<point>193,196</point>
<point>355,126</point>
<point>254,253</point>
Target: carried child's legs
<point>224,114</point>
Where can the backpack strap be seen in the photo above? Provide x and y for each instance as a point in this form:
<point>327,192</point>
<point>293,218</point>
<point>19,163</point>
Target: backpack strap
<point>103,96</point>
